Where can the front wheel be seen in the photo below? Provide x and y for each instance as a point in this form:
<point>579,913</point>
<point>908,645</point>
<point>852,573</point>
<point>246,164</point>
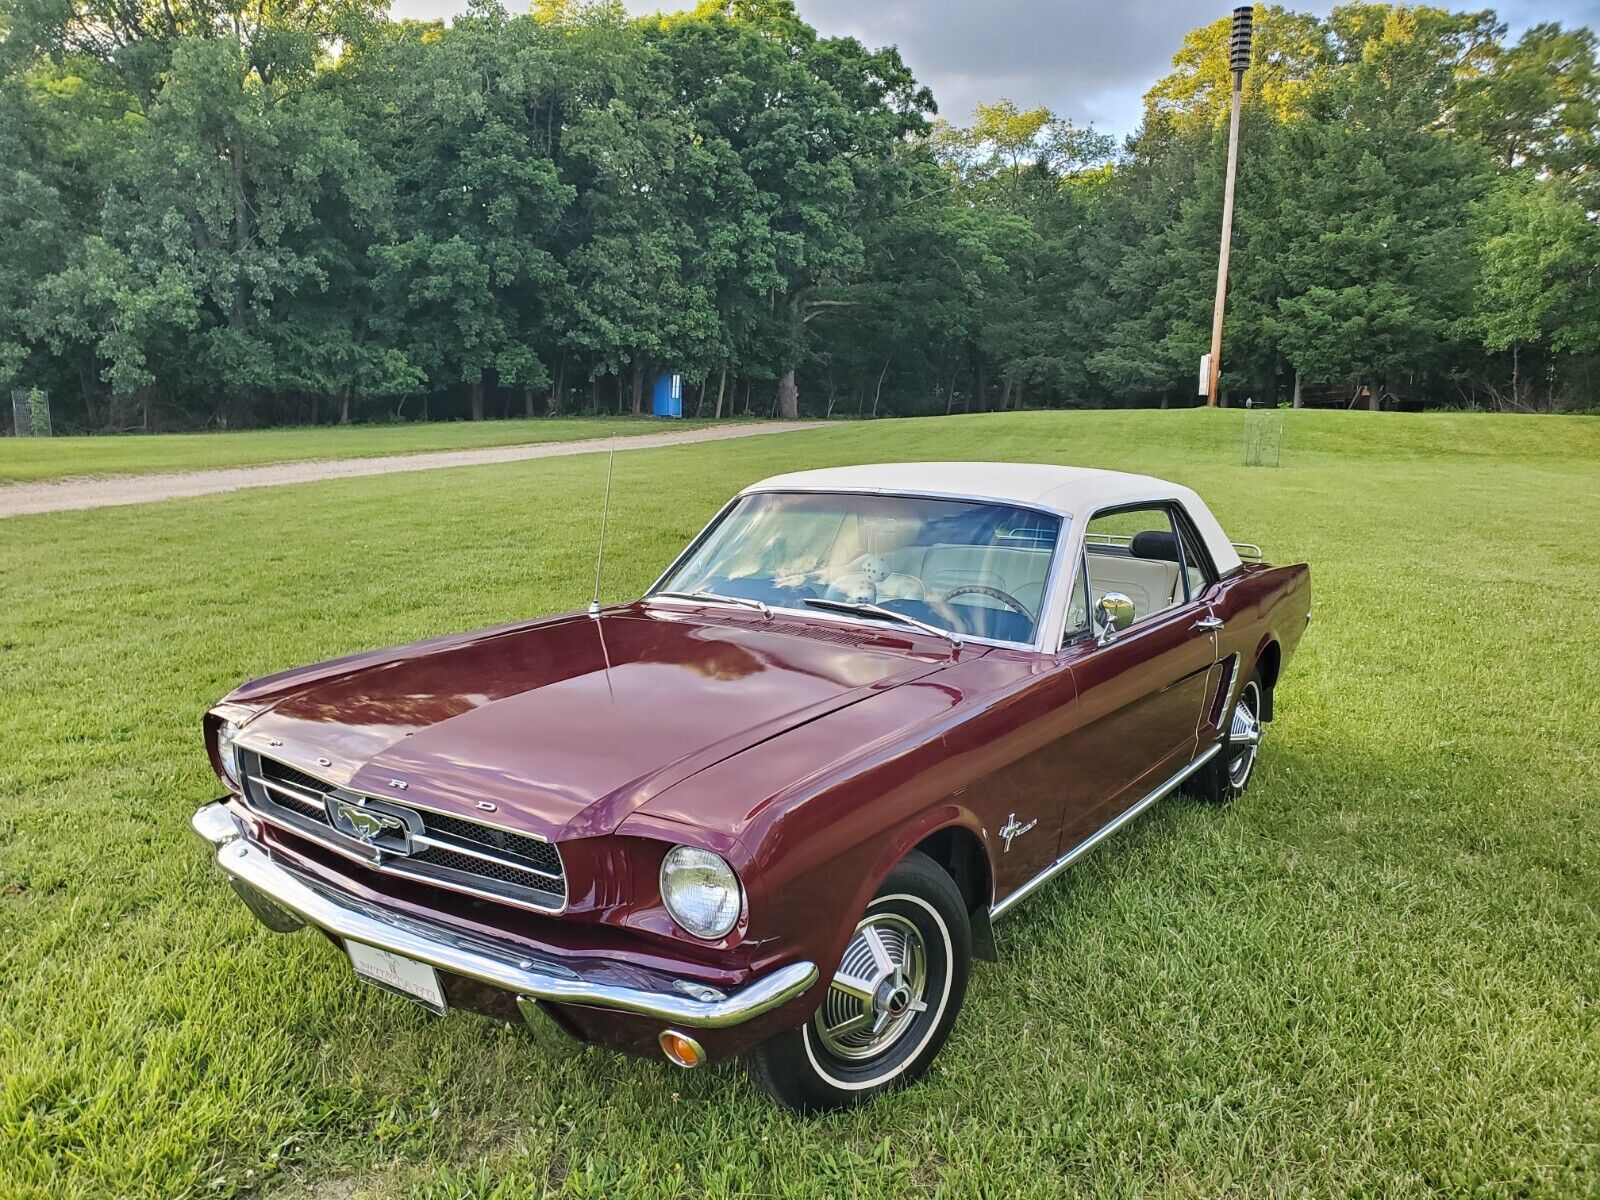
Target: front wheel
<point>891,1003</point>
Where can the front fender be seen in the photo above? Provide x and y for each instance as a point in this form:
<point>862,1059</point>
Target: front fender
<point>864,787</point>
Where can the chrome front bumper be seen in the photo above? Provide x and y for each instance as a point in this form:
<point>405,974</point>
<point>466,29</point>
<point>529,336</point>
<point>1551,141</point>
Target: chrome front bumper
<point>284,900</point>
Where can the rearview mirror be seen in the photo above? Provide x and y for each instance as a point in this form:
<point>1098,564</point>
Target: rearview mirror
<point>1112,615</point>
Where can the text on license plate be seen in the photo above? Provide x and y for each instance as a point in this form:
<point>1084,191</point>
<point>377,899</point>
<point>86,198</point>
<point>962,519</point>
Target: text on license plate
<point>403,976</point>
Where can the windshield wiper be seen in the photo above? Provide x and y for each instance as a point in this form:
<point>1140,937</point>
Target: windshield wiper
<point>714,598</point>
<point>887,614</point>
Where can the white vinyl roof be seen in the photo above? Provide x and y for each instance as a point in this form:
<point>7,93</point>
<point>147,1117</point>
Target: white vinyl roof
<point>1066,491</point>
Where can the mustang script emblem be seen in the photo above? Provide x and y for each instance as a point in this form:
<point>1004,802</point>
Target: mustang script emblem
<point>368,825</point>
<point>1011,830</point>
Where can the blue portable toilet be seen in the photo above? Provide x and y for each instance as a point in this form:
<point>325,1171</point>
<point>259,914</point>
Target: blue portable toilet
<point>667,400</point>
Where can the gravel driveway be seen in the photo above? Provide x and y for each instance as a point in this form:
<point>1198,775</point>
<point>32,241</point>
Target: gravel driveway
<point>18,499</point>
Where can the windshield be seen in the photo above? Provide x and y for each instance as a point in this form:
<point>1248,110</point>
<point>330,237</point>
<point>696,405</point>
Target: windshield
<point>970,567</point>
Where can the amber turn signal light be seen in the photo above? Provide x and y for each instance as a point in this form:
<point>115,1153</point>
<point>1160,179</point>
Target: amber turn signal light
<point>681,1049</point>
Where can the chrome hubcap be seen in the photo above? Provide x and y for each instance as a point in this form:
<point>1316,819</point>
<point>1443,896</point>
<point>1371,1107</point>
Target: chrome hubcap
<point>1244,734</point>
<point>878,991</point>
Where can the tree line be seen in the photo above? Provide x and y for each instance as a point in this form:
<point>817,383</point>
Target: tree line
<point>220,213</point>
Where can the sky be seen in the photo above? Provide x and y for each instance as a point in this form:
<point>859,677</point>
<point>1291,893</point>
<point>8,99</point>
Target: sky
<point>1089,60</point>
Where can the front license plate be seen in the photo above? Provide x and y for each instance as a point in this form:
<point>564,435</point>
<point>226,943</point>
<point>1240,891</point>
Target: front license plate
<point>404,977</point>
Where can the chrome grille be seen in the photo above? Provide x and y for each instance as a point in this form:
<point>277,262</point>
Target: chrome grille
<point>535,853</point>
<point>448,851</point>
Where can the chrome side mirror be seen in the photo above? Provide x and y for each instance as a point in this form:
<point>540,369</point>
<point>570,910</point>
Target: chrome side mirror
<point>1112,615</point>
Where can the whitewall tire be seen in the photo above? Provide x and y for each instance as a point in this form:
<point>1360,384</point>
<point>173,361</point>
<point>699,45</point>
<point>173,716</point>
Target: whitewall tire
<point>891,1002</point>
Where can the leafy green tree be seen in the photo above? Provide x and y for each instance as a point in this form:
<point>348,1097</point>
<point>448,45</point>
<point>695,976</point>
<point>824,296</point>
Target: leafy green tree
<point>1374,278</point>
<point>1540,283</point>
<point>809,121</point>
<point>1537,105</point>
<point>478,198</point>
<point>248,213</point>
<point>1292,56</point>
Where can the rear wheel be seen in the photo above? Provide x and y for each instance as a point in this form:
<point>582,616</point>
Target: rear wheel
<point>891,1002</point>
<point>1228,773</point>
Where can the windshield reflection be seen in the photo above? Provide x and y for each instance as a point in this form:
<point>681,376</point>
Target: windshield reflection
<point>971,567</point>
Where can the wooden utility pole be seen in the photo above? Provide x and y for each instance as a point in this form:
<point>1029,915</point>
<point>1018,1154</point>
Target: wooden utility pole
<point>1238,59</point>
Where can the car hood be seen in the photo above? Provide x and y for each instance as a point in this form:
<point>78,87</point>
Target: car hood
<point>566,726</point>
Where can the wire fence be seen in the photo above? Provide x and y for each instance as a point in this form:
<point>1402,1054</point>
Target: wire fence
<point>1262,439</point>
<point>30,412</point>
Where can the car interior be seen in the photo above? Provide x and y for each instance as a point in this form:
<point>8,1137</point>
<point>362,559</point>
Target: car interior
<point>976,569</point>
<point>989,584</point>
<point>1141,554</point>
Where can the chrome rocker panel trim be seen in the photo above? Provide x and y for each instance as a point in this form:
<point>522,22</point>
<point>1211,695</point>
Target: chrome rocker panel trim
<point>283,899</point>
<point>1100,835</point>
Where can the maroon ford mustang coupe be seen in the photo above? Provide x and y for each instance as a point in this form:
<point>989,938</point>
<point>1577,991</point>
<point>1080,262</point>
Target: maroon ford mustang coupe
<point>773,807</point>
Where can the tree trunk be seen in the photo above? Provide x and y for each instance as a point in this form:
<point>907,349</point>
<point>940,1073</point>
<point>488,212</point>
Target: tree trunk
<point>1299,400</point>
<point>700,401</point>
<point>980,386</point>
<point>1166,402</point>
<point>1005,395</point>
<point>748,384</point>
<point>558,394</point>
<point>344,405</point>
<point>527,402</point>
<point>721,383</point>
<point>241,232</point>
<point>638,388</point>
<point>879,391</point>
<point>477,399</point>
<point>1374,401</point>
<point>788,397</point>
<point>950,396</point>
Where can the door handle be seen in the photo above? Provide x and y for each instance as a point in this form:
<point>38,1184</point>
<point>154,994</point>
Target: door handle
<point>1208,622</point>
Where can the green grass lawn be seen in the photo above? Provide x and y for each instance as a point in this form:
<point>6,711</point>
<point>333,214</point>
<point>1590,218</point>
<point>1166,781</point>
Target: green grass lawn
<point>28,459</point>
<point>1377,975</point>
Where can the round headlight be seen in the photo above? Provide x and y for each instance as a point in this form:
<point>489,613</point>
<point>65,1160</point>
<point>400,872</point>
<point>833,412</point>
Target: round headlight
<point>700,891</point>
<point>227,752</point>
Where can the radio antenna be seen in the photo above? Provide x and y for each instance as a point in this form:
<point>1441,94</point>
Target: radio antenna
<point>605,514</point>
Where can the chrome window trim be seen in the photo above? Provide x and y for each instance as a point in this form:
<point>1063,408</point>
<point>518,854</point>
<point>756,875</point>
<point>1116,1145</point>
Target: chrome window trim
<point>1080,579</point>
<point>1081,536</point>
<point>1050,617</point>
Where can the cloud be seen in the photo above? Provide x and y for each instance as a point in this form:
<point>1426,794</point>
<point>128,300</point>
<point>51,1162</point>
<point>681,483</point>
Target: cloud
<point>1088,61</point>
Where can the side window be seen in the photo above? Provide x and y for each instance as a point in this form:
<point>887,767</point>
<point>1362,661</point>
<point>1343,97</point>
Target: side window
<point>1077,605</point>
<point>1138,552</point>
<point>1196,561</point>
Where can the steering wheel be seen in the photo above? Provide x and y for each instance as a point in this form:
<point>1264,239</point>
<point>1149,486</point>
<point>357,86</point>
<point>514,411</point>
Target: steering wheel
<point>978,589</point>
